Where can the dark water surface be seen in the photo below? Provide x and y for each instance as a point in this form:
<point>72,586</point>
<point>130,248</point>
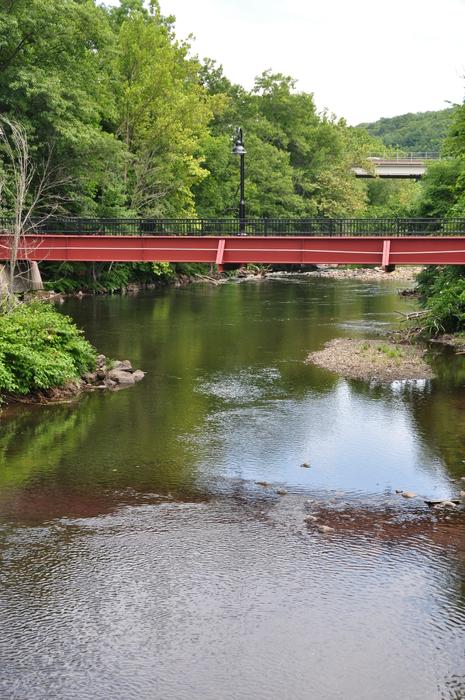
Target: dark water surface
<point>140,558</point>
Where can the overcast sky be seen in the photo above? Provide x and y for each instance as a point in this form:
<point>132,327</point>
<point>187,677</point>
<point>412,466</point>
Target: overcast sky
<point>362,59</point>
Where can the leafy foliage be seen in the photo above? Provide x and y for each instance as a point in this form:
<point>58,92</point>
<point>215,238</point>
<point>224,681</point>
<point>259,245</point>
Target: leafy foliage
<point>299,161</point>
<point>40,348</point>
<point>140,127</point>
<point>442,293</point>
<point>442,194</point>
<point>443,187</point>
<point>98,278</point>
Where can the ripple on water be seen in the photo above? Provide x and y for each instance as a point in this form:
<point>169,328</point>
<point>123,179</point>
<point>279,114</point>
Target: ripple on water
<point>242,386</point>
<point>227,599</point>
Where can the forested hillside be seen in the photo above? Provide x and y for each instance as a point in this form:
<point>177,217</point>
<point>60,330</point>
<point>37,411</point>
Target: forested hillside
<point>423,131</point>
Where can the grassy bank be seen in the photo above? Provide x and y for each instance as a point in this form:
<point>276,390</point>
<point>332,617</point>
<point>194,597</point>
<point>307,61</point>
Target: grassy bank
<point>442,296</point>
<point>40,349</point>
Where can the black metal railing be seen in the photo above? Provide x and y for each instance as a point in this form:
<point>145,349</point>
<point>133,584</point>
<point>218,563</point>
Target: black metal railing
<point>317,226</point>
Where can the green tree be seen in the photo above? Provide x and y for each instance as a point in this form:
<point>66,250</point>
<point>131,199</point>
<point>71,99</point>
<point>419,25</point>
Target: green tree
<point>163,114</point>
<point>298,163</point>
<point>55,79</point>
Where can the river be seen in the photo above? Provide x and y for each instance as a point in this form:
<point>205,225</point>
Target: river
<point>142,560</point>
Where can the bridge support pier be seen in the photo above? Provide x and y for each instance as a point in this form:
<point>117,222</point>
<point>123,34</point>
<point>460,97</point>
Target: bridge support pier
<point>27,279</point>
<point>35,278</point>
<point>220,254</point>
<point>386,253</point>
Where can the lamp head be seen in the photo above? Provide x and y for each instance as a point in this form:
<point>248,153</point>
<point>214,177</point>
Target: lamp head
<point>238,145</point>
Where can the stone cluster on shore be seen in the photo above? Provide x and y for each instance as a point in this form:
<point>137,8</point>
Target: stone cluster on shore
<point>115,375</point>
<point>107,376</point>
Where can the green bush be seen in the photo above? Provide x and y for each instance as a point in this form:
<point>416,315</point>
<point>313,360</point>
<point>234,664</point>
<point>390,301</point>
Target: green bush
<point>442,294</point>
<point>40,348</point>
<point>100,278</point>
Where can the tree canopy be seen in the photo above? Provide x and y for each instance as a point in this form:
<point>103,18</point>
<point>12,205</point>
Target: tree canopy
<point>141,127</point>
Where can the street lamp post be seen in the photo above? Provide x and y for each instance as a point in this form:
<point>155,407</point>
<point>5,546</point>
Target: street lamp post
<point>239,150</point>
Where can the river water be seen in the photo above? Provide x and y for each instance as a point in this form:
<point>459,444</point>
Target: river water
<point>142,560</point>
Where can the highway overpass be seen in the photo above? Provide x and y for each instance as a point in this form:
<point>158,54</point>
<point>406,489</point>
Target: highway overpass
<point>410,166</point>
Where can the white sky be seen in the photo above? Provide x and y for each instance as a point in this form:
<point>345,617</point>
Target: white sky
<point>362,59</point>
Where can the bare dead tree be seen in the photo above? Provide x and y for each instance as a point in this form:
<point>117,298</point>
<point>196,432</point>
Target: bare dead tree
<point>147,188</point>
<point>32,192</point>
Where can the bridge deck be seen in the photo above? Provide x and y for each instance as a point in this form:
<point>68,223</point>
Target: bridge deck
<point>220,250</point>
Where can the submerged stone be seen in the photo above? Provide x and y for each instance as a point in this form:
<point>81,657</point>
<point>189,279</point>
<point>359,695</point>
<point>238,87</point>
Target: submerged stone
<point>310,519</point>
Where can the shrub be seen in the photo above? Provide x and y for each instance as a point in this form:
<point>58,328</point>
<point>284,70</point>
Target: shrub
<point>442,294</point>
<point>40,348</point>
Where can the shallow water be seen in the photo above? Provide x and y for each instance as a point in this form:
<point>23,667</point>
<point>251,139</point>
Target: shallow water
<point>141,559</point>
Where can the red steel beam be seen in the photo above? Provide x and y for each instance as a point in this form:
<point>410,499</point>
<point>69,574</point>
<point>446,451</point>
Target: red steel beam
<point>411,250</point>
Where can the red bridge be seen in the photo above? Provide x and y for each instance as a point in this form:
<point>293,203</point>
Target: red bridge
<point>272,241</point>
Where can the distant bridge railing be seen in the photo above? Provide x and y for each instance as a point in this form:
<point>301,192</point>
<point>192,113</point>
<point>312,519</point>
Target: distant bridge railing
<point>406,157</point>
<point>318,226</point>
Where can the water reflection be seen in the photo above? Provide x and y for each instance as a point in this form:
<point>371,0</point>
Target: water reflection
<point>142,559</point>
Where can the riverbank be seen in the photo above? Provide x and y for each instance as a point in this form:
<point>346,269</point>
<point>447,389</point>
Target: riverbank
<point>203,274</point>
<point>405,274</point>
<point>107,375</point>
<point>372,360</point>
<point>45,358</point>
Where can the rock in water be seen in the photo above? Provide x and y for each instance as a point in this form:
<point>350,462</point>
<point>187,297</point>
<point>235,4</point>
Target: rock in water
<point>123,365</point>
<point>121,377</point>
<point>281,492</point>
<point>444,504</point>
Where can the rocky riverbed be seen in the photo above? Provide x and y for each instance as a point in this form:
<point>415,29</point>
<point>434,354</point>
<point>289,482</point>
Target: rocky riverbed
<point>406,273</point>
